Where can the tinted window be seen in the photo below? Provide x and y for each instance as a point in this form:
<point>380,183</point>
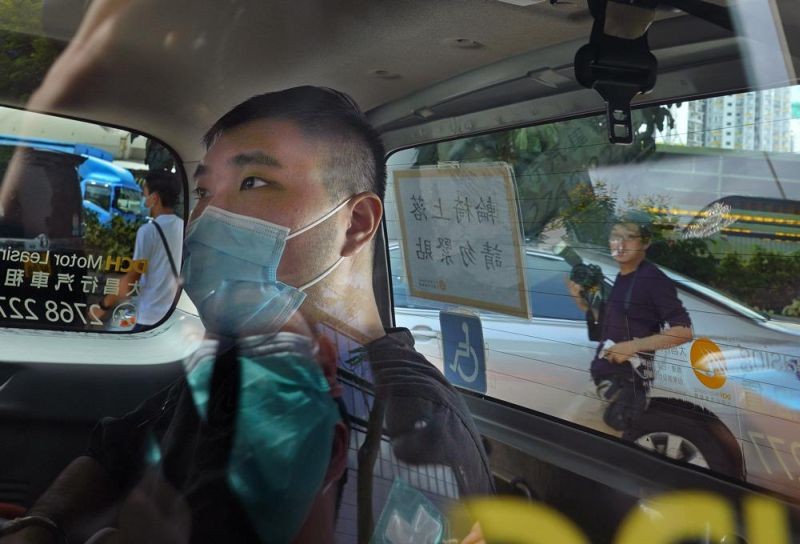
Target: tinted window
<point>715,226</point>
<point>128,200</point>
<point>69,217</point>
<point>98,195</point>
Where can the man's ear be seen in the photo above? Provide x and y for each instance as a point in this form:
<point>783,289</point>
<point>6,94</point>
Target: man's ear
<point>366,211</point>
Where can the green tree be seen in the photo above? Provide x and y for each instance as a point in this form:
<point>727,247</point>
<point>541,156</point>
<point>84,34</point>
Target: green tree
<point>25,54</point>
<point>765,280</point>
<point>115,239</point>
<point>690,257</point>
<point>587,213</point>
<point>793,309</point>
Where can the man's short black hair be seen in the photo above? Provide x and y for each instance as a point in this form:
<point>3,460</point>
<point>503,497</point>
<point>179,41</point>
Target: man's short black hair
<point>354,159</point>
<point>166,185</point>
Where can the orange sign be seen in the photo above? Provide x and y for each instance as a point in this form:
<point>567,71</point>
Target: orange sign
<point>708,363</point>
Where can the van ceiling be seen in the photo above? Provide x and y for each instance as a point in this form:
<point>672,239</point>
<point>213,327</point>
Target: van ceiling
<point>178,65</point>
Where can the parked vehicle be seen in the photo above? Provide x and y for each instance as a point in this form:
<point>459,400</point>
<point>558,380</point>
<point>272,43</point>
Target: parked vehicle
<point>107,189</point>
<point>699,404</point>
<point>110,191</point>
<point>45,206</point>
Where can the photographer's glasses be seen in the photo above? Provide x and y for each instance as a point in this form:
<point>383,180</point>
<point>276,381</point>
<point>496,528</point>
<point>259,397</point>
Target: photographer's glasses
<point>618,239</point>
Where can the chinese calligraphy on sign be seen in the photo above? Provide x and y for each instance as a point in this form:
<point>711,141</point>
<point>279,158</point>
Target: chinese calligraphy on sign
<point>50,288</point>
<point>461,236</point>
<point>88,283</point>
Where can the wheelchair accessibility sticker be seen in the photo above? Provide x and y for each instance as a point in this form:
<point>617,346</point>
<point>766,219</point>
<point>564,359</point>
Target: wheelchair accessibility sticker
<point>463,350</point>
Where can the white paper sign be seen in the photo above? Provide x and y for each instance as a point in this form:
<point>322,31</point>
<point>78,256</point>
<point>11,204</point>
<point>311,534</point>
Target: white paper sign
<point>461,238</point>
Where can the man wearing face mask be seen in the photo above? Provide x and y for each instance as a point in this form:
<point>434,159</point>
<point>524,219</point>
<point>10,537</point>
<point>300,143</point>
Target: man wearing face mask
<point>290,198</point>
<point>159,243</point>
<point>642,314</point>
<point>250,447</point>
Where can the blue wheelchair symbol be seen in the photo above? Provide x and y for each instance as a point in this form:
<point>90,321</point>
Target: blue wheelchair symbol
<point>463,349</point>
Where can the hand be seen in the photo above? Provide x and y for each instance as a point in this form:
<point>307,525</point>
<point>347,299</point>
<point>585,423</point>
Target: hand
<point>475,535</point>
<point>577,294</point>
<point>154,512</point>
<point>621,352</point>
<point>574,289</point>
<point>85,61</point>
<point>102,42</point>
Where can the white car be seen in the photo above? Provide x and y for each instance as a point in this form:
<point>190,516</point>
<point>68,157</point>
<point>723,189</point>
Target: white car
<point>726,401</point>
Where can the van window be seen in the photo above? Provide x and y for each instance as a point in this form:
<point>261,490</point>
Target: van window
<point>99,195</point>
<point>70,210</point>
<point>715,212</point>
<point>128,200</point>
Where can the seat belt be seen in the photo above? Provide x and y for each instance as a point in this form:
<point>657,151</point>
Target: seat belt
<point>166,247</point>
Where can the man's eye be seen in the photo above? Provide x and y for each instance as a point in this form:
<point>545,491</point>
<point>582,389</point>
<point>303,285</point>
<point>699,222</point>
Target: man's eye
<point>253,183</point>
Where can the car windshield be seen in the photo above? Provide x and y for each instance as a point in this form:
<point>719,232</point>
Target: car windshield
<point>98,194</point>
<point>728,240</point>
<point>129,200</point>
<point>558,245</point>
<point>70,212</point>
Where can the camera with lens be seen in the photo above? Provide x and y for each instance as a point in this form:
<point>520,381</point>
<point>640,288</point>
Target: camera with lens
<point>588,276</point>
<point>593,289</point>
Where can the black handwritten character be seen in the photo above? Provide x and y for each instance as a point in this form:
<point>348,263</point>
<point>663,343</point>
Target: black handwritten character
<point>64,279</point>
<point>14,277</point>
<point>424,252</point>
<point>467,254</point>
<point>492,256</point>
<point>418,210</point>
<point>437,207</point>
<point>445,245</point>
<point>486,211</point>
<point>463,209</point>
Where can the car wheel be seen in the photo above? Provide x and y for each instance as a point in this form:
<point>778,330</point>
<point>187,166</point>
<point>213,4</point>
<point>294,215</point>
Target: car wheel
<point>687,433</point>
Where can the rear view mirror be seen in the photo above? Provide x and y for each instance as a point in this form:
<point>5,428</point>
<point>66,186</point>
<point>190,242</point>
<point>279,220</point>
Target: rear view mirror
<point>71,201</point>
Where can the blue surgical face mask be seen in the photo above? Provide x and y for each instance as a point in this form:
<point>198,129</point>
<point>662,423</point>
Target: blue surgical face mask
<point>284,429</point>
<point>230,272</point>
<point>144,208</point>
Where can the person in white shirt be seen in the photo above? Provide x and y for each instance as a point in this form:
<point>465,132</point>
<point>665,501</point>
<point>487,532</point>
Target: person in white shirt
<point>158,284</point>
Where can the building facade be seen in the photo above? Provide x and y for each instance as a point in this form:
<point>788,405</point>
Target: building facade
<point>754,121</point>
